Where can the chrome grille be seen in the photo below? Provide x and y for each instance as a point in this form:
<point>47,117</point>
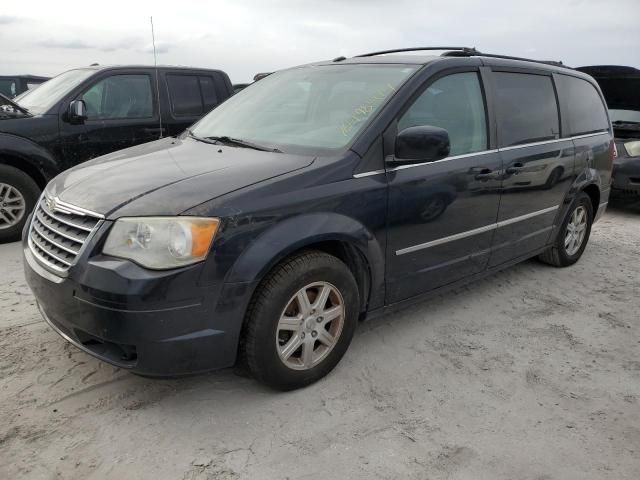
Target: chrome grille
<point>58,232</point>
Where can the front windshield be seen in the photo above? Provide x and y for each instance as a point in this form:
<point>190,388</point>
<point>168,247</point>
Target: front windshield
<point>624,115</point>
<point>46,95</point>
<point>313,107</point>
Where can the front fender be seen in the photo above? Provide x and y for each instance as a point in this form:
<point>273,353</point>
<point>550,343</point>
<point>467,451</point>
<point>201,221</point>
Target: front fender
<point>35,156</point>
<point>303,230</point>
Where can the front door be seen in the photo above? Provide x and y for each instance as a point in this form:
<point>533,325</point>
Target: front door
<point>442,215</point>
<point>121,113</point>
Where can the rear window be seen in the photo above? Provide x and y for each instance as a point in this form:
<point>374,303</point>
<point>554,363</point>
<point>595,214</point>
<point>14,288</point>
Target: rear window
<point>527,108</point>
<point>587,113</point>
<point>191,95</point>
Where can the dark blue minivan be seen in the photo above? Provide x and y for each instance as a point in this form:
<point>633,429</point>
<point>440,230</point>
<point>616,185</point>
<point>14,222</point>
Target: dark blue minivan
<point>319,196</point>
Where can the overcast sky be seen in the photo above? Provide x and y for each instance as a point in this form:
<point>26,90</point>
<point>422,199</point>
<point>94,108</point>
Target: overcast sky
<point>243,37</point>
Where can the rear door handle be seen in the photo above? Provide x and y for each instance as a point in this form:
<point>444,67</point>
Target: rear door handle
<point>485,174</point>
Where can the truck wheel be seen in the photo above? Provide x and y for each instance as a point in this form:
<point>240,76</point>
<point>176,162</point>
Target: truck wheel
<point>573,235</point>
<point>300,321</point>
<point>18,195</point>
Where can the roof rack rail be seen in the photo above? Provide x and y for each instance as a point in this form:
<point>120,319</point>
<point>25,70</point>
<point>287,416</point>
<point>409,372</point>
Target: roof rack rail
<point>462,52</point>
<point>467,50</point>
<point>557,63</point>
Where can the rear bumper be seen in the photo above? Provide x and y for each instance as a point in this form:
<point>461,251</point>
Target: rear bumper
<point>153,323</point>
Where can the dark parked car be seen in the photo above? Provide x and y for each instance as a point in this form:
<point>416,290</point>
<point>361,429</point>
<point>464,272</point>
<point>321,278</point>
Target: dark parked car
<point>621,89</point>
<point>88,112</point>
<point>13,85</point>
<point>319,196</point>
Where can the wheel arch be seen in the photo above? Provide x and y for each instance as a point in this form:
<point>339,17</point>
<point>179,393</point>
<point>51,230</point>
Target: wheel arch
<point>28,157</point>
<point>593,191</point>
<point>335,234</point>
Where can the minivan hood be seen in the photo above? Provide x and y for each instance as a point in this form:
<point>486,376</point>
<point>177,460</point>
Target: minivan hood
<point>167,177</point>
<point>620,85</point>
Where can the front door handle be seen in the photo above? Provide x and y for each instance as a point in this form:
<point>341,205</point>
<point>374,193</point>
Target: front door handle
<point>484,175</point>
<point>515,168</point>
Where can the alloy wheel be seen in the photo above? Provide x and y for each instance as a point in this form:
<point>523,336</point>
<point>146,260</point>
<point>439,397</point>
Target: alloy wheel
<point>310,325</point>
<point>576,231</point>
<point>12,206</point>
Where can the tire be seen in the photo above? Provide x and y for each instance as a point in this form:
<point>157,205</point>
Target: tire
<point>16,187</point>
<point>561,254</point>
<point>276,324</point>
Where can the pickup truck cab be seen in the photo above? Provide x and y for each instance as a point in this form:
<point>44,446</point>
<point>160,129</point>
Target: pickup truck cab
<point>13,85</point>
<point>88,112</point>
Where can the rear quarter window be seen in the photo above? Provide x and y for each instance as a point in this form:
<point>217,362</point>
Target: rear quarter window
<point>527,108</point>
<point>585,108</point>
<point>192,95</point>
<point>185,95</point>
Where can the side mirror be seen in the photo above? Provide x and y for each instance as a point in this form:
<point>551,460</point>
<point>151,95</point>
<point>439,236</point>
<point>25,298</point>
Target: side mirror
<point>423,143</point>
<point>77,112</point>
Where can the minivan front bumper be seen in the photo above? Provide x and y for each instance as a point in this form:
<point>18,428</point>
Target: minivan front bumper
<point>153,323</point>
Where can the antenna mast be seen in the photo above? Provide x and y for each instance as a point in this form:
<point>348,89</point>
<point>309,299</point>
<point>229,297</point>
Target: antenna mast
<point>155,64</point>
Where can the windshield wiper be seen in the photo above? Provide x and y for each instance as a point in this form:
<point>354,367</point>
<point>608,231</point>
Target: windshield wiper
<point>214,140</point>
<point>10,106</point>
<point>242,143</point>
<point>200,139</point>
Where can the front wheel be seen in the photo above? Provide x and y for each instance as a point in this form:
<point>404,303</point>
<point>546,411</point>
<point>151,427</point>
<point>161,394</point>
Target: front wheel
<point>18,196</point>
<point>573,235</point>
<point>301,321</point>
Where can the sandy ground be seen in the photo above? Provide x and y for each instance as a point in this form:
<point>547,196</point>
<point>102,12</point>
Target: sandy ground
<point>533,373</point>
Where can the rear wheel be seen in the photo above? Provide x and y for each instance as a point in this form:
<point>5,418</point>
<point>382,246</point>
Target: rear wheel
<point>574,234</point>
<point>300,321</point>
<point>18,195</point>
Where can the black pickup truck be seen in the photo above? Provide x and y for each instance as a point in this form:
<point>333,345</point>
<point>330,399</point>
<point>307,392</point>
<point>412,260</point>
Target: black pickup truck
<point>89,112</point>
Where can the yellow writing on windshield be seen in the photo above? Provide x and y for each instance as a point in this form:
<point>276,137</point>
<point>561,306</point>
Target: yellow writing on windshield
<point>365,108</point>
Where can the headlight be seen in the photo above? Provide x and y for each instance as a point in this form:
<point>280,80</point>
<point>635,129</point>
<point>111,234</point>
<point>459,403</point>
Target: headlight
<point>633,148</point>
<point>161,242</point>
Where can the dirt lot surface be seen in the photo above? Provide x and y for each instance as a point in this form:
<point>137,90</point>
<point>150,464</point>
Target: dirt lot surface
<point>533,373</point>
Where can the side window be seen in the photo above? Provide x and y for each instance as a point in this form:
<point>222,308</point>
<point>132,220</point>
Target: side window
<point>120,96</point>
<point>185,95</point>
<point>455,103</point>
<point>527,108</point>
<point>8,87</point>
<point>587,113</point>
<point>209,97</point>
